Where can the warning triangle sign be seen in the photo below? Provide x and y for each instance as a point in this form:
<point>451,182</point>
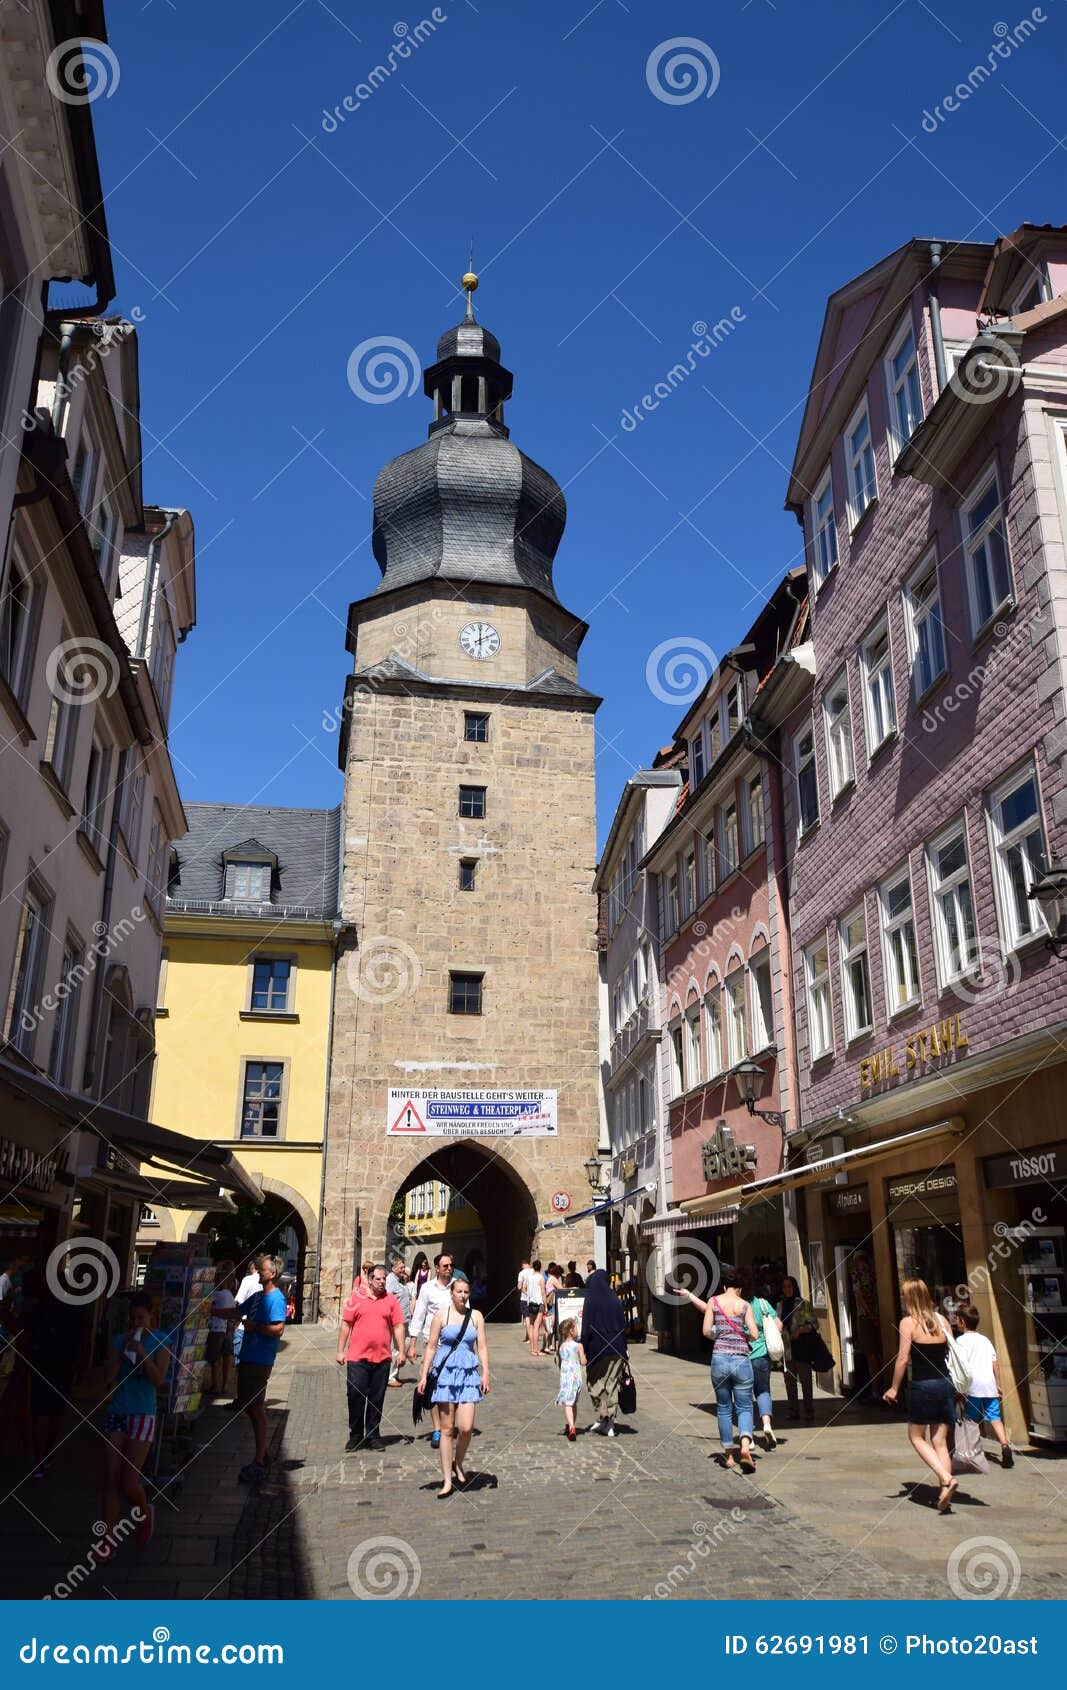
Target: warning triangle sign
<point>409,1120</point>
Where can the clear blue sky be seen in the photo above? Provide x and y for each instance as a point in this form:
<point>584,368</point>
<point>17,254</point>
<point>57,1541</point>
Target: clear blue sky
<point>262,249</point>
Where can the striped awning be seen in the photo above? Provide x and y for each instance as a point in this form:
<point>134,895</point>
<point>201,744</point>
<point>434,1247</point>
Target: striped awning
<point>666,1226</point>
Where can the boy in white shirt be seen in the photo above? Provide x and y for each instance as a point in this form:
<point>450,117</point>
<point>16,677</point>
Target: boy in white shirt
<point>983,1401</point>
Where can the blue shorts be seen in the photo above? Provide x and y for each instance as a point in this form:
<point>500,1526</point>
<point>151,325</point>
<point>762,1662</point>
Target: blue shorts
<point>983,1408</point>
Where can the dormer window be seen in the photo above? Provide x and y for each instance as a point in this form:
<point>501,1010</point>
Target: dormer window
<point>250,883</point>
<point>1033,290</point>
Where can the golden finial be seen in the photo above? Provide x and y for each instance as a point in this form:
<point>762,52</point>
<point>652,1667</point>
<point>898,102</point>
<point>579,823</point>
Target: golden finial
<point>470,282</point>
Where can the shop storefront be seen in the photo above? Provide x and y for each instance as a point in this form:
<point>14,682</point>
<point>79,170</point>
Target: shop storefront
<point>1035,1182</point>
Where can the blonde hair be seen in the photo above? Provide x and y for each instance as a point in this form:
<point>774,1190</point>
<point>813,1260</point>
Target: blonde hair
<point>915,1294</point>
<point>567,1330</point>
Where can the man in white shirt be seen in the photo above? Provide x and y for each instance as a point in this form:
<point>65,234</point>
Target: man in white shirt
<point>532,1298</point>
<point>436,1294</point>
<point>248,1287</point>
<point>983,1398</point>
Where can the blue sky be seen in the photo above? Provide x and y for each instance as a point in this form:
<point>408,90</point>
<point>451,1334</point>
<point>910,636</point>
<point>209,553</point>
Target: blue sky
<point>262,247</point>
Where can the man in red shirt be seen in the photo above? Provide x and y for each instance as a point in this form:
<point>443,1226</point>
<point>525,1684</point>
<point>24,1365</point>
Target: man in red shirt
<point>371,1321</point>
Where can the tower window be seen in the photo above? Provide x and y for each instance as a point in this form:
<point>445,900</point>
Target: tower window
<point>469,392</point>
<point>472,802</point>
<point>465,994</point>
<point>466,874</point>
<point>475,726</point>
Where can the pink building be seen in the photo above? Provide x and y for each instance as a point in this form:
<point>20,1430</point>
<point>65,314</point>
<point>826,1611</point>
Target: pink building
<point>924,793</point>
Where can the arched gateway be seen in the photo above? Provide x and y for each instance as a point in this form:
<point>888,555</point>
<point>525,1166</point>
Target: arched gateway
<point>465,1014</point>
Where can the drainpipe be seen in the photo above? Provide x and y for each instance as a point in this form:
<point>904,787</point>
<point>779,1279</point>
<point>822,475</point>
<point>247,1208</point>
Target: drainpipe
<point>65,343</point>
<point>104,924</point>
<point>935,316</point>
<point>151,570</point>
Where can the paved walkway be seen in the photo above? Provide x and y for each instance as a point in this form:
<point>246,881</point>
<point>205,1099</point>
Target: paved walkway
<point>838,1510</point>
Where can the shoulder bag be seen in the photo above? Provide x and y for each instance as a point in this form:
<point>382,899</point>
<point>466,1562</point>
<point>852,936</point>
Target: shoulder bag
<point>627,1389</point>
<point>772,1333</point>
<point>421,1400</point>
<point>958,1371</point>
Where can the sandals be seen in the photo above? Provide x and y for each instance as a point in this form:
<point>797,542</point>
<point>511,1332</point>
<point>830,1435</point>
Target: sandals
<point>747,1464</point>
<point>944,1501</point>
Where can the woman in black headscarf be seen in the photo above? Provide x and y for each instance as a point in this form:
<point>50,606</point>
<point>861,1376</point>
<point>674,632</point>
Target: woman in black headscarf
<point>603,1339</point>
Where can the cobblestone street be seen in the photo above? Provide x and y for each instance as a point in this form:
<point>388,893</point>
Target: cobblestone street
<point>837,1510</point>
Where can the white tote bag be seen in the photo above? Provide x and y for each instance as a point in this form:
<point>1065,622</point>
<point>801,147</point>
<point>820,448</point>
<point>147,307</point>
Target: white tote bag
<point>772,1335</point>
<point>957,1367</point>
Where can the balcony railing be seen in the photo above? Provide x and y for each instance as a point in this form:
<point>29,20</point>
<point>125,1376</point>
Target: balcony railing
<point>251,911</point>
<point>641,1023</point>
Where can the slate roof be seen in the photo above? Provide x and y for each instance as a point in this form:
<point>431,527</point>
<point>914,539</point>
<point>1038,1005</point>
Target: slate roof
<point>305,842</point>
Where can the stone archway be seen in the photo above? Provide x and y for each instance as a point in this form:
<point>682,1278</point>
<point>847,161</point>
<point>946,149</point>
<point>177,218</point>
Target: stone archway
<point>284,1207</point>
<point>492,1186</point>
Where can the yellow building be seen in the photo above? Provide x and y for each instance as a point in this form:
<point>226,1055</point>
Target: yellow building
<point>243,1022</point>
<point>438,1217</point>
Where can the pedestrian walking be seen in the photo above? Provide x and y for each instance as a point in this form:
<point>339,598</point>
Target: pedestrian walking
<point>53,1337</point>
<point>553,1283</point>
<point>985,1395</point>
<point>532,1298</point>
<point>731,1326</point>
<point>248,1287</point>
<point>759,1355</point>
<point>399,1286</point>
<point>435,1295</point>
<point>572,1279</point>
<point>603,1339</point>
<point>924,1341</point>
<point>460,1356</point>
<point>571,1359</point>
<point>420,1271</point>
<point>264,1322</point>
<point>220,1329</point>
<point>799,1328</point>
<point>370,1325</point>
<point>137,1367</point>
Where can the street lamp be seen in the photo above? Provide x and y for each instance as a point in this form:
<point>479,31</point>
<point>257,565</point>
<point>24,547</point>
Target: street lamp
<point>749,1075</point>
<point>1050,891</point>
<point>593,1173</point>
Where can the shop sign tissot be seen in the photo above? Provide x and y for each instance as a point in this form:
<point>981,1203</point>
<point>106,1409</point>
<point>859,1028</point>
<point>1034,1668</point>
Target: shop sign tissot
<point>1023,1167</point>
<point>434,1113</point>
<point>930,1045</point>
<point>721,1157</point>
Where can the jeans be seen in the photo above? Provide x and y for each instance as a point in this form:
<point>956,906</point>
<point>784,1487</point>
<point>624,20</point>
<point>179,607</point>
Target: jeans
<point>761,1385</point>
<point>367,1385</point>
<point>732,1379</point>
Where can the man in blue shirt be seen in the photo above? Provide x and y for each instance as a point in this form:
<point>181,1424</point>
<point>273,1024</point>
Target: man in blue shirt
<point>264,1323</point>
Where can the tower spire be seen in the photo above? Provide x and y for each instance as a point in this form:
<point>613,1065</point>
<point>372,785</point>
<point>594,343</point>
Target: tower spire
<point>470,282</point>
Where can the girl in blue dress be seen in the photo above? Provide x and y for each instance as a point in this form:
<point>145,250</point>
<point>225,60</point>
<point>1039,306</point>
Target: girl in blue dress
<point>461,1372</point>
<point>571,1360</point>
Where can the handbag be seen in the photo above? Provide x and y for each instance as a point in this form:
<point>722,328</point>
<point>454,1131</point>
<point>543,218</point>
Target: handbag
<point>627,1389</point>
<point>421,1400</point>
<point>809,1348</point>
<point>772,1337</point>
<point>968,1456</point>
<point>958,1370</point>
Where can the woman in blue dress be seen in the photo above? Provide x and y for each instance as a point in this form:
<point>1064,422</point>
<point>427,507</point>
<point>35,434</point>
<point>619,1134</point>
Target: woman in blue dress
<point>460,1365</point>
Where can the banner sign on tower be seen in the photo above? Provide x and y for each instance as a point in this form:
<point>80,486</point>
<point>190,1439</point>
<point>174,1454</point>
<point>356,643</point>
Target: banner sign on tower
<point>433,1113</point>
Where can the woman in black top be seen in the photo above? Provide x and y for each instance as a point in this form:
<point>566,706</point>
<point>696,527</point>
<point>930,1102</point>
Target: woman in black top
<point>924,1336</point>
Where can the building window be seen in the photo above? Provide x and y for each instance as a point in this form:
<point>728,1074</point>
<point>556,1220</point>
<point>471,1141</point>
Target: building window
<point>163,647</point>
<point>442,1198</point>
<point>876,667</point>
<point>736,1030</point>
<point>102,524</point>
<point>249,883</point>
<point>261,1100</point>
<point>1019,854</point>
<point>759,969</point>
<point>156,867</point>
<point>676,1058</point>
<point>855,974</point>
<point>837,721</point>
<point>134,807</point>
<point>31,946</point>
<point>161,980</point>
<point>807,780</point>
<point>94,807</point>
<point>753,812</point>
<point>953,904</point>
<point>467,869</point>
<point>67,992</point>
<point>16,627</point>
<point>472,802</point>
<point>925,629</point>
<point>696,756</point>
<point>1034,290</point>
<point>62,728</point>
<point>689,883</point>
<point>476,726</point>
<point>823,530</point>
<point>900,951</point>
<point>713,1026</point>
<point>859,464</point>
<point>83,476</point>
<point>905,393</point>
<point>465,994</point>
<point>692,1054</point>
<point>671,893</point>
<point>820,1010</point>
<point>271,984</point>
<point>728,838</point>
<point>985,549</point>
<point>707,855</point>
<point>733,709</point>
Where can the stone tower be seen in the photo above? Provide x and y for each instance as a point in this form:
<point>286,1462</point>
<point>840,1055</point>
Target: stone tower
<point>466,996</point>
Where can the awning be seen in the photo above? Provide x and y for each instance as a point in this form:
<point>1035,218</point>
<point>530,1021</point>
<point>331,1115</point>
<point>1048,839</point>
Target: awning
<point>716,1202</point>
<point>142,1140</point>
<point>159,1191</point>
<point>667,1226</point>
<point>809,1173</point>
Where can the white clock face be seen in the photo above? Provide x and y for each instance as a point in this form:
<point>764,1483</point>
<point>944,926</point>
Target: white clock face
<point>480,640</point>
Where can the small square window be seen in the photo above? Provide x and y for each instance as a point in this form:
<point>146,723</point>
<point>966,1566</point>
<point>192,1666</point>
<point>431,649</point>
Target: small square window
<point>472,802</point>
<point>475,726</point>
<point>466,874</point>
<point>465,994</point>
